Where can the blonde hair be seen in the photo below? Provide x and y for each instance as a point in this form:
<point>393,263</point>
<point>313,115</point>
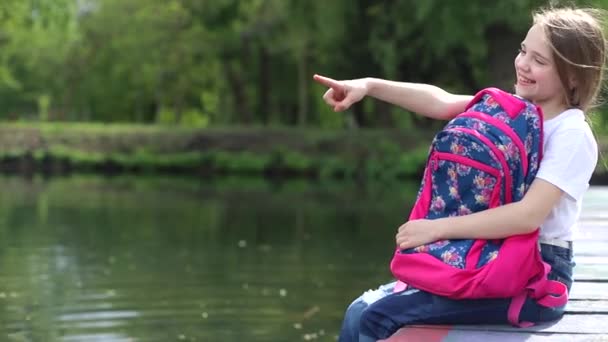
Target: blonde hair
<point>577,40</point>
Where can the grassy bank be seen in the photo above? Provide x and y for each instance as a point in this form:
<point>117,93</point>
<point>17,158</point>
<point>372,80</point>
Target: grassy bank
<point>284,152</point>
<point>280,152</point>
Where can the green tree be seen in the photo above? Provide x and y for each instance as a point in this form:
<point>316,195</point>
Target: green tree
<point>37,38</point>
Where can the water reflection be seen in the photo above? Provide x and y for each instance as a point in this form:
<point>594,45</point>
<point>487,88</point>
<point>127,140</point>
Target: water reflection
<point>170,259</point>
<point>132,259</point>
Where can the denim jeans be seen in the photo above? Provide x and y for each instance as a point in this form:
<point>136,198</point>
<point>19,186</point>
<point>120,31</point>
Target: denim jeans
<point>380,313</point>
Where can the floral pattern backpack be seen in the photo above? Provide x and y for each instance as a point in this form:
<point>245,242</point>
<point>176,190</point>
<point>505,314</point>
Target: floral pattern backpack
<point>485,157</point>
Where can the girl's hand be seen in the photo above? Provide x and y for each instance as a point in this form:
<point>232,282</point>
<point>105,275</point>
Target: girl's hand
<point>342,94</point>
<point>416,233</point>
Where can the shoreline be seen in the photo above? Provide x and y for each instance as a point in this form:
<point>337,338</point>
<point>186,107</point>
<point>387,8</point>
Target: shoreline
<point>273,153</point>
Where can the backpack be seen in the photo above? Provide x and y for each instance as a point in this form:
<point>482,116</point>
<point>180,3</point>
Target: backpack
<point>485,157</point>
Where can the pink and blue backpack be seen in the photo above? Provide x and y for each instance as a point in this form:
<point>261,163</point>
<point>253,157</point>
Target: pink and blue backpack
<point>485,157</point>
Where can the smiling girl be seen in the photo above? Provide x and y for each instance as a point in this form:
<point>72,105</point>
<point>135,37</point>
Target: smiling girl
<point>559,67</point>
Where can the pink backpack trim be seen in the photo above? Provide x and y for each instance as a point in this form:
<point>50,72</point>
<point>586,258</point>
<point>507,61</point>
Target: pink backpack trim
<point>497,156</point>
<point>505,100</point>
<point>508,131</point>
<point>548,293</point>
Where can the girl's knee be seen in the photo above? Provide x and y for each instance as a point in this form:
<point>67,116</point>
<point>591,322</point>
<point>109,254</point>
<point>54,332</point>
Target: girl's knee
<point>350,325</point>
<point>377,324</point>
<point>352,317</point>
<point>354,311</point>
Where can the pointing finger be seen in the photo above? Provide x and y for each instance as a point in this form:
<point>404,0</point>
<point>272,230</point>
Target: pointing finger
<point>329,82</point>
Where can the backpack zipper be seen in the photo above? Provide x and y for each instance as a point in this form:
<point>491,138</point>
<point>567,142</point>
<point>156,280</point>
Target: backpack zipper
<point>500,125</point>
<point>495,152</point>
<point>492,171</point>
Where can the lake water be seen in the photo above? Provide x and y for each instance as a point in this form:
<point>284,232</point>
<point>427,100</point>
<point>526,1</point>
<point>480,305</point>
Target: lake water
<point>88,258</point>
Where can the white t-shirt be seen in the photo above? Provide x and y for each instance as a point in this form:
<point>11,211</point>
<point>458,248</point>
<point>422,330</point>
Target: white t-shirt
<point>569,159</point>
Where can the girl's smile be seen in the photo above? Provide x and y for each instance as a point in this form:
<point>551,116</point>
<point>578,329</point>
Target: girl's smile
<point>524,81</point>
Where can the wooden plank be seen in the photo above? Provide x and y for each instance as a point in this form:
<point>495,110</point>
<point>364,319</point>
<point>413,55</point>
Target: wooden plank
<point>591,260</point>
<point>592,220</point>
<point>590,276</point>
<point>585,320</point>
<point>591,272</point>
<point>587,307</point>
<point>596,194</point>
<point>587,221</point>
<point>590,247</point>
<point>589,291</point>
<point>569,324</point>
<point>430,333</point>
<point>486,336</point>
<point>598,215</point>
<point>591,236</point>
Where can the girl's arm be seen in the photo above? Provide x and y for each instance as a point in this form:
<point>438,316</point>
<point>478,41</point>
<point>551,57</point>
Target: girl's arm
<point>424,99</point>
<point>511,219</point>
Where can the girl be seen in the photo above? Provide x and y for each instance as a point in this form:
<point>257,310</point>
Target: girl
<point>560,68</point>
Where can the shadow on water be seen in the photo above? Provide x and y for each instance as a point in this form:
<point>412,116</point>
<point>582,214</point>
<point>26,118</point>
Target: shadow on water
<point>89,258</point>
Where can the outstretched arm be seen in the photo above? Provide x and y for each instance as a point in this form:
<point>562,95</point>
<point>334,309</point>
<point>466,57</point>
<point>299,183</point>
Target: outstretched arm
<point>424,99</point>
<point>511,219</point>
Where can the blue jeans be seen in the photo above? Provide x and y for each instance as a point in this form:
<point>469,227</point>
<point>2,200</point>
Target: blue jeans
<point>380,313</point>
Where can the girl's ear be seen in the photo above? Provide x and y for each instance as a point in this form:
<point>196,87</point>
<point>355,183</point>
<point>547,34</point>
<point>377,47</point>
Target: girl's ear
<point>573,95</point>
<point>572,82</point>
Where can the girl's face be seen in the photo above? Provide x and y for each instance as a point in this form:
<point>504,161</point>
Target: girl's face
<point>537,78</point>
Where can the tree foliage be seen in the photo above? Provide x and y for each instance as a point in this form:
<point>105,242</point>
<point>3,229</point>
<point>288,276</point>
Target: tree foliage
<point>227,62</point>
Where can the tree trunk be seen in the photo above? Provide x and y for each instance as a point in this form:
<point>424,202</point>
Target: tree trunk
<point>264,85</point>
<point>237,88</point>
<point>382,115</point>
<point>359,116</point>
<point>303,84</point>
<point>501,38</point>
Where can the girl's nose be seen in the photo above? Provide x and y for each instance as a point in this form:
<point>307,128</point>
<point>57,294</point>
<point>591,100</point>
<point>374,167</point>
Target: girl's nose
<point>521,63</point>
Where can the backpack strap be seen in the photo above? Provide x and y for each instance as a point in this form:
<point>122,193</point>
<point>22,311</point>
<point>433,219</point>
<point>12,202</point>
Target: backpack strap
<point>557,296</point>
<point>548,293</point>
<point>508,102</point>
<point>517,303</point>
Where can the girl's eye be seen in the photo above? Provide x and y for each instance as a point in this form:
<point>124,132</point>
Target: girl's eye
<point>521,52</point>
<point>539,61</point>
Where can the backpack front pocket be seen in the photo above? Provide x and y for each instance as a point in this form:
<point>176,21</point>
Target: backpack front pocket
<point>454,186</point>
<point>461,186</point>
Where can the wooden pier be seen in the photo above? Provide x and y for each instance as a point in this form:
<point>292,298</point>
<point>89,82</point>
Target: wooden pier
<point>586,317</point>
